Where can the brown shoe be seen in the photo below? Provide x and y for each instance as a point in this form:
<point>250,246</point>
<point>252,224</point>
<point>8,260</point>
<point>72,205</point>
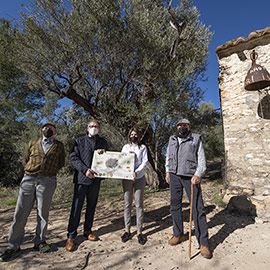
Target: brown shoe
<point>205,252</point>
<point>176,240</point>
<point>70,245</point>
<point>90,236</point>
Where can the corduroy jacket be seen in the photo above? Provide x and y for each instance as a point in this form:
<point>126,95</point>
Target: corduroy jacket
<point>36,162</point>
<point>81,156</point>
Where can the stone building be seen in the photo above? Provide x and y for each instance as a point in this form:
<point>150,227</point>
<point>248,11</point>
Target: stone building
<point>246,124</point>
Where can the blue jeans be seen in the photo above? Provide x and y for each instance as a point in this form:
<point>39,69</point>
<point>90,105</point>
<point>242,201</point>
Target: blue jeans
<point>177,183</point>
<point>80,192</point>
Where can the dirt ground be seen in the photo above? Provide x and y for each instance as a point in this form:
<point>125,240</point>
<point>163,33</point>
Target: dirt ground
<point>236,241</point>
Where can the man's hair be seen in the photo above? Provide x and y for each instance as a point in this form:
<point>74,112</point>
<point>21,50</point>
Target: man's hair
<point>48,124</point>
<point>93,121</point>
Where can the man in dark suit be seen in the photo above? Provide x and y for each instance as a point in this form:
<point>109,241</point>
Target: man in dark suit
<point>85,183</point>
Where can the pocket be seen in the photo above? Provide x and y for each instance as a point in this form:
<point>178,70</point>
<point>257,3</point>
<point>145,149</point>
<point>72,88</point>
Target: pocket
<point>192,165</point>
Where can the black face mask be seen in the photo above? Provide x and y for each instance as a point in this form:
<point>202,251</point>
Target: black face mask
<point>183,132</point>
<point>47,133</point>
<point>133,139</point>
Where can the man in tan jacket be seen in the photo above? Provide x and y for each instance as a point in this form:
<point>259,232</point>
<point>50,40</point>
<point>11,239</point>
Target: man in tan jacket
<point>42,160</point>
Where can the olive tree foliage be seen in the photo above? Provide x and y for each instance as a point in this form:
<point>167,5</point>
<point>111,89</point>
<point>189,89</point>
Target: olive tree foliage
<point>17,100</point>
<point>208,122</point>
<point>112,59</point>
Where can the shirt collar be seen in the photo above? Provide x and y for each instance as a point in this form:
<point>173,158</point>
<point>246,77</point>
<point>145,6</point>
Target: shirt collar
<point>45,140</point>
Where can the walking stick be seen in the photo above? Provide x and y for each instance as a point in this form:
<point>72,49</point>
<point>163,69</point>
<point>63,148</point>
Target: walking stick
<point>190,222</point>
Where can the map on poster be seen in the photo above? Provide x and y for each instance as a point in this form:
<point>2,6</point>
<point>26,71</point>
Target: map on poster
<point>113,165</point>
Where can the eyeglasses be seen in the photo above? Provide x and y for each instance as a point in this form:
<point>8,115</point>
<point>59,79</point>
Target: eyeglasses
<point>93,126</point>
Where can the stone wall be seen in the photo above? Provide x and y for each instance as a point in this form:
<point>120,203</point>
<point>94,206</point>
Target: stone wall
<point>246,134</point>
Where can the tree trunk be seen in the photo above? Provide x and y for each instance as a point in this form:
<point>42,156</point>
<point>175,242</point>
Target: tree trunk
<point>151,177</point>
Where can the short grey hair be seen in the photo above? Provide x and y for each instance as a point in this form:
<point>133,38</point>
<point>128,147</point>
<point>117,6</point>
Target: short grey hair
<point>94,121</point>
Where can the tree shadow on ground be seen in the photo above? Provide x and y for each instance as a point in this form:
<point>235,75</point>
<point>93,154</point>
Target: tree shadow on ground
<point>115,224</point>
<point>230,222</point>
<point>154,221</point>
<point>6,216</point>
<point>160,219</point>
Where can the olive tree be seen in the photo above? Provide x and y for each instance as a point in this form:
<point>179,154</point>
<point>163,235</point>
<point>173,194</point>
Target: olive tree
<point>114,59</point>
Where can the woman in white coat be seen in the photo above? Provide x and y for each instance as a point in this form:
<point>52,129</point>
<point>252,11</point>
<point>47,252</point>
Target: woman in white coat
<point>137,185</point>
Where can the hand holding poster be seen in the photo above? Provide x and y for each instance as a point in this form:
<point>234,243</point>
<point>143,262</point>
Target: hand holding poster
<point>113,165</point>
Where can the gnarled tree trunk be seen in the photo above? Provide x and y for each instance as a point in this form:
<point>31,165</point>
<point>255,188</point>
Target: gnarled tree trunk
<point>151,177</point>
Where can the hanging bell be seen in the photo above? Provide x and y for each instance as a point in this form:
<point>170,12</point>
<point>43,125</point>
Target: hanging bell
<point>257,77</point>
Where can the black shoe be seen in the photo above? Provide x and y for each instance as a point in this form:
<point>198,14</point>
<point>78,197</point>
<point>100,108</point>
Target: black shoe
<point>8,254</point>
<point>42,247</point>
<point>141,239</point>
<point>125,237</point>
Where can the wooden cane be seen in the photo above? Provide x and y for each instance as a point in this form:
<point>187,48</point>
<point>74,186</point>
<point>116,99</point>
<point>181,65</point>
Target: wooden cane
<point>190,222</point>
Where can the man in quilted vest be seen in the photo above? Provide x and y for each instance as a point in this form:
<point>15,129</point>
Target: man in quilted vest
<point>185,165</point>
<point>42,160</point>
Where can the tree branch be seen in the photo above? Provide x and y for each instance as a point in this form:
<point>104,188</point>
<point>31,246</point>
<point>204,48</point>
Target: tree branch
<point>179,27</point>
<point>78,99</point>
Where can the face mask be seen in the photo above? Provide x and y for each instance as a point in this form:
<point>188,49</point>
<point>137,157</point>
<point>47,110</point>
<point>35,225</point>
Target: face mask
<point>183,132</point>
<point>47,133</point>
<point>93,131</point>
<point>133,139</point>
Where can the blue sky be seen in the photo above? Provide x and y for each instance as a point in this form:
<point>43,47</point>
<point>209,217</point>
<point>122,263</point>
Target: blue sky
<point>228,19</point>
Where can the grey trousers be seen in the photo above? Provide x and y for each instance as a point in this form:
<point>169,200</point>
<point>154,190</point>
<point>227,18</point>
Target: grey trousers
<point>41,190</point>
<point>177,183</point>
<point>138,186</point>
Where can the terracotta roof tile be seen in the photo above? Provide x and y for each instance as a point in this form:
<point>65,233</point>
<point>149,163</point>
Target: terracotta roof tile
<point>255,38</point>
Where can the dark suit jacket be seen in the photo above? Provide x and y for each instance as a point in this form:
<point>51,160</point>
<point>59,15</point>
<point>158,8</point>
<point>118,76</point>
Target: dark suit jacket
<point>81,156</point>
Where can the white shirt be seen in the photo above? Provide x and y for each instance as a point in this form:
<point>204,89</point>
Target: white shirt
<point>140,157</point>
<point>46,144</point>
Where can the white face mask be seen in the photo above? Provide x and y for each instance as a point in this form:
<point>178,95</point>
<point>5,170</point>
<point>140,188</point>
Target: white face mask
<point>93,131</point>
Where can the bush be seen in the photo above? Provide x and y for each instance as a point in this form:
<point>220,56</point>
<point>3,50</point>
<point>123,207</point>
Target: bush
<point>11,171</point>
<point>64,190</point>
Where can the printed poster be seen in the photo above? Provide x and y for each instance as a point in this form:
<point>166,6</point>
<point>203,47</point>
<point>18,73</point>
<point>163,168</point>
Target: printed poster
<point>114,165</point>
